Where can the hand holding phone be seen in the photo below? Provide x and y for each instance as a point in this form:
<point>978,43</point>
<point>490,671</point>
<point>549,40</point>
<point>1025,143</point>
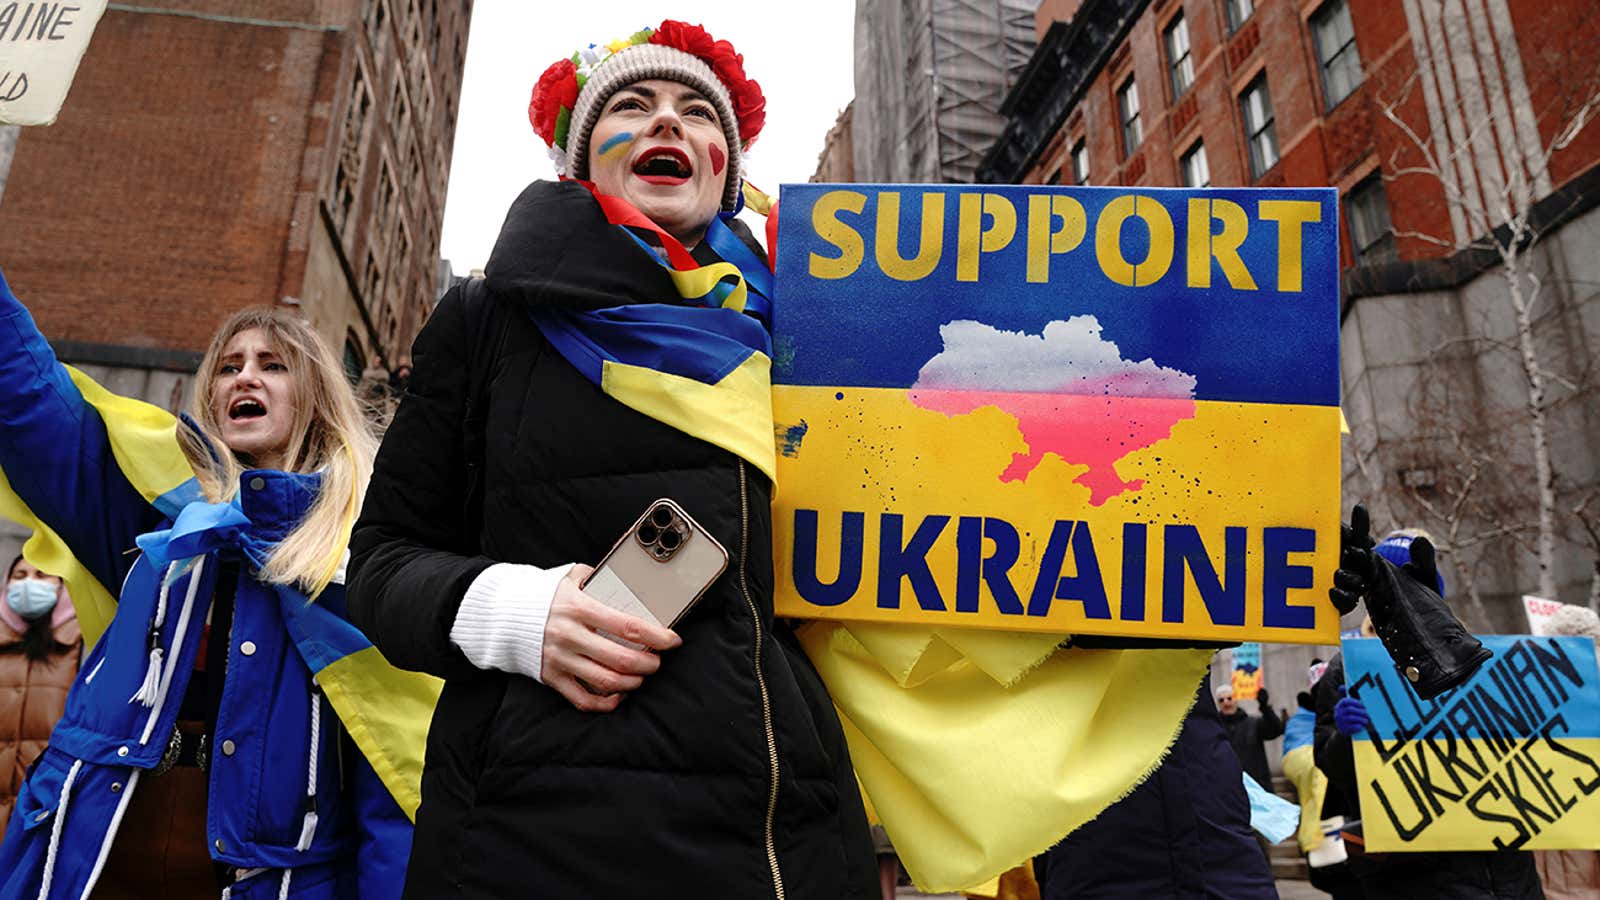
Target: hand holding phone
<point>575,653</point>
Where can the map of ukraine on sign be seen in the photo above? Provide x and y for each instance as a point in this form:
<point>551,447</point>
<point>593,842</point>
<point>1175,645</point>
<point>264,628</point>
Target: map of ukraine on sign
<point>1086,410</point>
<point>41,44</point>
<point>1509,760</point>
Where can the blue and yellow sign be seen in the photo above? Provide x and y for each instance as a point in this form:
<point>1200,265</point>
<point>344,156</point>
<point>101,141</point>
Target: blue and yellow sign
<point>1074,410</point>
<point>1509,760</point>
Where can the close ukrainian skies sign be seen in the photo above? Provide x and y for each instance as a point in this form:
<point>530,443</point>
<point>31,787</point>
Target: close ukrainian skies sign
<point>40,46</point>
<point>1509,760</point>
<point>1075,410</point>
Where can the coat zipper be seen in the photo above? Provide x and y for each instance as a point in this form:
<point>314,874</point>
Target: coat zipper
<point>761,682</point>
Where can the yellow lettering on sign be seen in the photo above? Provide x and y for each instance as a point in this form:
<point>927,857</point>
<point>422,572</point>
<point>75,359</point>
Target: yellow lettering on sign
<point>1206,245</point>
<point>887,246</point>
<point>825,222</point>
<point>1043,210</point>
<point>1108,241</point>
<point>1290,216</point>
<point>970,241</point>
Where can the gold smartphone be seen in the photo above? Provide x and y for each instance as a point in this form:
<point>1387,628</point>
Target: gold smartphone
<point>659,567</point>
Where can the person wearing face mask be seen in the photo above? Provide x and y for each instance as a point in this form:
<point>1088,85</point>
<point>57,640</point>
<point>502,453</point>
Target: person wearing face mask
<point>615,353</point>
<point>40,646</point>
<point>210,742</point>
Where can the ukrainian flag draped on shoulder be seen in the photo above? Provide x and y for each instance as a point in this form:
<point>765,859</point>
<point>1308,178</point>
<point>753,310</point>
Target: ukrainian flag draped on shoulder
<point>385,710</point>
<point>702,365</point>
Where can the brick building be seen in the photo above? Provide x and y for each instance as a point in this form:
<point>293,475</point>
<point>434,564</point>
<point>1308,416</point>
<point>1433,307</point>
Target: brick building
<point>213,156</point>
<point>1444,124</point>
<point>836,163</point>
<point>216,155</point>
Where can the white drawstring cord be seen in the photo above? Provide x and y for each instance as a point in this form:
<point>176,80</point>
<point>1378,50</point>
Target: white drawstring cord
<point>56,828</point>
<point>150,687</point>
<point>308,827</point>
<point>283,886</point>
<point>177,641</point>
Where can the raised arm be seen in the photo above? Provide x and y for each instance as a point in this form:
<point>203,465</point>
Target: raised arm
<point>56,456</point>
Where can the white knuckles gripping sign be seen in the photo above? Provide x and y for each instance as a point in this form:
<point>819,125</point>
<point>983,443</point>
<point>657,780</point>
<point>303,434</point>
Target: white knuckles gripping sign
<point>40,46</point>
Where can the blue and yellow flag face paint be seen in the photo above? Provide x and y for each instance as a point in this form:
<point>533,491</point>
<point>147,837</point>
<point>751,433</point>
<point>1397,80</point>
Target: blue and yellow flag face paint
<point>1509,760</point>
<point>1084,410</point>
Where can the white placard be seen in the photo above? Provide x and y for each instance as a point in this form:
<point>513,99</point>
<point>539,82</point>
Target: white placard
<point>1539,612</point>
<point>40,46</point>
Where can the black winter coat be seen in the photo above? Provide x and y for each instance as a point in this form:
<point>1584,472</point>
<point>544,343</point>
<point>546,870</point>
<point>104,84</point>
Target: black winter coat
<point>1485,875</point>
<point>1249,735</point>
<point>726,774</point>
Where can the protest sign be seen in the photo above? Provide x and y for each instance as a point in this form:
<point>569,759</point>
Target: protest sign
<point>1539,611</point>
<point>1075,410</point>
<point>1508,760</point>
<point>1246,680</point>
<point>40,46</point>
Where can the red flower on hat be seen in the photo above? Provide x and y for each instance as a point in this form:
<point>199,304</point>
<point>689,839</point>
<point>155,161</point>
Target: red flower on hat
<point>556,89</point>
<point>749,104</point>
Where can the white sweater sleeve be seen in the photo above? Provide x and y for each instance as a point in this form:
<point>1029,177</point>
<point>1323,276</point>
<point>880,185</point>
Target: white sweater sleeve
<point>500,623</point>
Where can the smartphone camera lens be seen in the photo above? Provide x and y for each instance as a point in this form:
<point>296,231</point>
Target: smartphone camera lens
<point>670,540</point>
<point>648,534</point>
<point>661,517</point>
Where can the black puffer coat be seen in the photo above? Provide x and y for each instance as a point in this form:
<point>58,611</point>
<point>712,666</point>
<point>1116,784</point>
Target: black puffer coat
<point>726,773</point>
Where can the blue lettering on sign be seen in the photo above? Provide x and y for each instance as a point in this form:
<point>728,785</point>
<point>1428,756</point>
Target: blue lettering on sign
<point>1279,577</point>
<point>1223,597</point>
<point>971,564</point>
<point>1133,557</point>
<point>910,560</point>
<point>1086,586</point>
<point>806,581</point>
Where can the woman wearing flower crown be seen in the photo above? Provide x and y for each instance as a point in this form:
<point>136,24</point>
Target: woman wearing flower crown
<point>616,352</point>
<point>207,745</point>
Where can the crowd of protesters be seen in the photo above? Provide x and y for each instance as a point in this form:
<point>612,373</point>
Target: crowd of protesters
<point>204,744</point>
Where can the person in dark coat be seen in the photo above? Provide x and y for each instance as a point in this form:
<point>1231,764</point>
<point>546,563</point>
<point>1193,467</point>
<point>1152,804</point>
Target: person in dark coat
<point>1183,834</point>
<point>1482,875</point>
<point>561,764</point>
<point>1249,734</point>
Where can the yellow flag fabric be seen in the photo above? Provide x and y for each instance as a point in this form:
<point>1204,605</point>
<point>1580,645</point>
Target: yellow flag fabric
<point>981,749</point>
<point>1300,766</point>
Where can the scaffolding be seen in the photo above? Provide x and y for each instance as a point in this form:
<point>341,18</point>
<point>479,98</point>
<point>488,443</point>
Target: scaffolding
<point>930,77</point>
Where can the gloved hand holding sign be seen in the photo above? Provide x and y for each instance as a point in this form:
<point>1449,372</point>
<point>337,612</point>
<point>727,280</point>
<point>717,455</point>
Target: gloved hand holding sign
<point>1429,645</point>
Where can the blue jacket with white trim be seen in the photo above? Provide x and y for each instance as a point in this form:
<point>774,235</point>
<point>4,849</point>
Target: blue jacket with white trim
<point>289,793</point>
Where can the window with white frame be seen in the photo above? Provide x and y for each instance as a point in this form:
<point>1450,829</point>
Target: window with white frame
<point>1256,106</point>
<point>1128,110</point>
<point>1196,171</point>
<point>1080,162</point>
<point>1180,64</point>
<point>1238,12</point>
<point>1366,208</point>
<point>1335,38</point>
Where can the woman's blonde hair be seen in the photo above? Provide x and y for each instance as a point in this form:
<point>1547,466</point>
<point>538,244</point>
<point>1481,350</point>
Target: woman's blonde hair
<point>329,435</point>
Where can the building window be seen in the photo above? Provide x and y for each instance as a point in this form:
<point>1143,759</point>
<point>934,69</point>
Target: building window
<point>1128,109</point>
<point>1336,51</point>
<point>1367,209</point>
<point>1080,162</point>
<point>1196,171</point>
<point>1256,105</point>
<point>1178,59</point>
<point>1238,12</point>
<point>1055,176</point>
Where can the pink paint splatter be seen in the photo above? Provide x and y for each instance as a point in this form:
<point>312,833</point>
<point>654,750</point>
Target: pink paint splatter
<point>718,160</point>
<point>1095,430</point>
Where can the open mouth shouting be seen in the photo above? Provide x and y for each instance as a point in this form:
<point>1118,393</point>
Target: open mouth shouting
<point>245,409</point>
<point>663,165</point>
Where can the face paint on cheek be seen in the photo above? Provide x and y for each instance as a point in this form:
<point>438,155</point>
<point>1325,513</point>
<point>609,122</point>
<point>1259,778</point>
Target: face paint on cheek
<point>718,160</point>
<point>617,143</point>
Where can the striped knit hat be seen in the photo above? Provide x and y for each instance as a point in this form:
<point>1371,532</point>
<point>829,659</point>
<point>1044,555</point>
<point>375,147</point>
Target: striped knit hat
<point>569,96</point>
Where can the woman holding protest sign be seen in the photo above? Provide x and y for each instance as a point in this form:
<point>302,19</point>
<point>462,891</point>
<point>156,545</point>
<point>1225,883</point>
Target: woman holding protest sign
<point>201,750</point>
<point>616,353</point>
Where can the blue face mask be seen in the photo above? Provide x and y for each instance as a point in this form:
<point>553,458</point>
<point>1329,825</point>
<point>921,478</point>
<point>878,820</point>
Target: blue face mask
<point>31,598</point>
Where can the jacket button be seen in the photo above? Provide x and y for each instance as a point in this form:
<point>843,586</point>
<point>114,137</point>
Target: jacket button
<point>1413,675</point>
<point>116,787</point>
<point>248,648</point>
<point>257,483</point>
<point>122,751</point>
<point>42,816</point>
<point>221,847</point>
<point>227,748</point>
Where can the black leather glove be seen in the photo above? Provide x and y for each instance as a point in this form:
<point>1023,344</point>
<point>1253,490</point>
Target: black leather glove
<point>1428,644</point>
<point>1261,698</point>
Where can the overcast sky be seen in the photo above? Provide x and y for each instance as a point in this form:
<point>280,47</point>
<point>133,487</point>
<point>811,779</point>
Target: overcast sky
<point>800,53</point>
